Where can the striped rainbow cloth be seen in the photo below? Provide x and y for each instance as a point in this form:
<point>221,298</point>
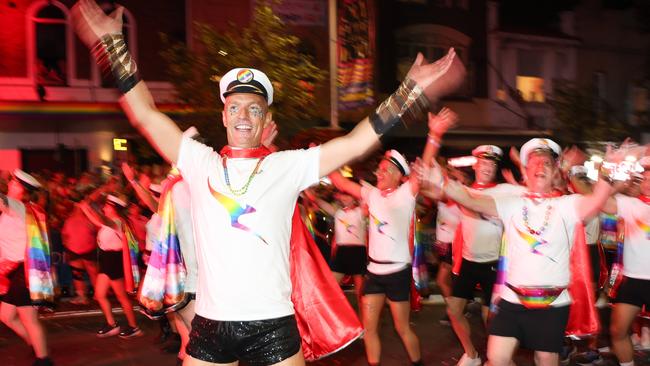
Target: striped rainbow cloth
<point>419,265</point>
<point>164,282</point>
<point>38,265</point>
<point>130,251</point>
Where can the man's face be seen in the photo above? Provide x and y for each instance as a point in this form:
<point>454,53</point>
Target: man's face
<point>388,175</point>
<point>540,171</point>
<point>244,117</point>
<point>15,190</point>
<point>485,170</point>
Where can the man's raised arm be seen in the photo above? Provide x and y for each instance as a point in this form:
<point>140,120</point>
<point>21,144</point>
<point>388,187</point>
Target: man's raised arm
<point>423,85</point>
<point>103,35</point>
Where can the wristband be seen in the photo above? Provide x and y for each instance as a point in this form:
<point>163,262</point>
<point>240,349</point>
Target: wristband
<point>433,140</point>
<point>112,53</point>
<point>407,105</point>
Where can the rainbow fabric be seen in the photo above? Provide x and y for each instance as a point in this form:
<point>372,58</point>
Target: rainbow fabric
<point>164,282</point>
<point>536,297</point>
<point>37,261</point>
<point>419,265</point>
<point>130,251</point>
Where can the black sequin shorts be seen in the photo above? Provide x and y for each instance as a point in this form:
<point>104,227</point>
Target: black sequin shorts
<point>258,342</point>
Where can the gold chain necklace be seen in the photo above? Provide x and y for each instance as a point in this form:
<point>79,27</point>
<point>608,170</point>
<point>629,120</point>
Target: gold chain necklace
<point>241,191</point>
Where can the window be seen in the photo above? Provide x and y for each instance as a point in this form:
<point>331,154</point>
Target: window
<point>51,51</point>
<point>530,83</point>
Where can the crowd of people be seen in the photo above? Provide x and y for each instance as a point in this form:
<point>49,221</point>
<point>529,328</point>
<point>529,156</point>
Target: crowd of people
<point>191,239</point>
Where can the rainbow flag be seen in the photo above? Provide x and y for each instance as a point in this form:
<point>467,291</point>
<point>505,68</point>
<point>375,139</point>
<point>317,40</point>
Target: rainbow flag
<point>419,265</point>
<point>130,251</point>
<point>38,265</point>
<point>164,281</point>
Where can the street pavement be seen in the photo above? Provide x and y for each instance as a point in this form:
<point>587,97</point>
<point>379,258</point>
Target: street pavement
<point>72,341</point>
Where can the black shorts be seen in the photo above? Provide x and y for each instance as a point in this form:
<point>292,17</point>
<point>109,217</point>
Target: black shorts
<point>443,250</point>
<point>350,259</point>
<point>258,342</point>
<point>634,291</point>
<point>594,257</point>
<point>111,264</point>
<point>72,256</point>
<point>18,293</point>
<point>396,286</point>
<point>536,329</point>
<point>471,274</point>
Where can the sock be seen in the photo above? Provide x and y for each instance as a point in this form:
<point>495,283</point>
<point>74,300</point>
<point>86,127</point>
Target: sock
<point>631,363</point>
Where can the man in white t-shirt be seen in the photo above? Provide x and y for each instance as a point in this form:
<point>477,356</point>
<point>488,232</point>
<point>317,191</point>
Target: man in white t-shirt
<point>539,228</point>
<point>634,290</point>
<point>476,250</point>
<point>243,198</point>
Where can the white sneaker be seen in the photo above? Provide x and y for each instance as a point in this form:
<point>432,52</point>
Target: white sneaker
<point>465,360</point>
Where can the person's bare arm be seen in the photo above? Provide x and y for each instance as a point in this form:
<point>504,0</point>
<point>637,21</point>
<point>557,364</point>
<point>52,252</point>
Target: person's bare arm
<point>99,31</point>
<point>439,124</point>
<point>327,207</point>
<point>424,84</point>
<point>143,194</point>
<point>346,185</point>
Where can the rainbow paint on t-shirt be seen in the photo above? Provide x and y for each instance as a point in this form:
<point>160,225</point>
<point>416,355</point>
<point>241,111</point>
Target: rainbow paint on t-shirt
<point>644,227</point>
<point>533,242</point>
<point>380,225</point>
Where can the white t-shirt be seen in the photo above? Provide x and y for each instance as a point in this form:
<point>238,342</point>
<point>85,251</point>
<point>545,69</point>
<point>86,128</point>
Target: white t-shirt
<point>447,221</point>
<point>183,218</point>
<point>546,264</point>
<point>242,242</point>
<point>350,227</point>
<point>13,237</point>
<point>482,233</point>
<point>109,239</point>
<point>636,248</point>
<point>390,223</point>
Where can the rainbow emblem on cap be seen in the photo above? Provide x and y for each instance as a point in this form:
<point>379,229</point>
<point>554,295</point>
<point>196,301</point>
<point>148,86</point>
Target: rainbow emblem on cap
<point>245,76</point>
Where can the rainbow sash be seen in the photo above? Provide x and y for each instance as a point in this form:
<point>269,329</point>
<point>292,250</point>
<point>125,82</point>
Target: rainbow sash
<point>130,251</point>
<point>164,281</point>
<point>38,265</point>
<point>419,265</point>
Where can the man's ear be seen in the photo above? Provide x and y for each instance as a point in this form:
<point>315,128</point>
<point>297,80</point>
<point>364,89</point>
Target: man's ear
<point>223,117</point>
<point>268,118</point>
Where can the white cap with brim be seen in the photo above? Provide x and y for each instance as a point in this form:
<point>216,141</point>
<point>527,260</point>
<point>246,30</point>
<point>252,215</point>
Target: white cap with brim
<point>399,161</point>
<point>488,152</point>
<point>538,144</point>
<point>578,170</point>
<point>114,200</point>
<point>27,179</point>
<point>246,80</point>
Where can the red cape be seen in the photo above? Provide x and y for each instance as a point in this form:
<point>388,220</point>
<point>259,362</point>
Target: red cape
<point>326,320</point>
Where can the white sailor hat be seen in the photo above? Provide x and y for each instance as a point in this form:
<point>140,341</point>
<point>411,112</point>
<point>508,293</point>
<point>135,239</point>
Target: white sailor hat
<point>399,161</point>
<point>488,152</point>
<point>245,80</point>
<point>26,179</point>
<point>115,201</point>
<point>538,144</point>
<point>578,170</point>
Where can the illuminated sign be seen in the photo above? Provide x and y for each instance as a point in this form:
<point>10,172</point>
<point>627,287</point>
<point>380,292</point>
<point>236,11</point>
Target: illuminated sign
<point>119,144</point>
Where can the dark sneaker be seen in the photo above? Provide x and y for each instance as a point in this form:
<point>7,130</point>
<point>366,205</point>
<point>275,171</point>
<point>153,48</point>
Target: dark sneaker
<point>590,357</point>
<point>43,362</point>
<point>445,320</point>
<point>566,353</point>
<point>130,332</point>
<point>108,331</point>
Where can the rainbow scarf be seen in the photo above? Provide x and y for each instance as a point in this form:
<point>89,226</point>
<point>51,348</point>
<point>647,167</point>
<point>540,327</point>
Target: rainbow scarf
<point>164,282</point>
<point>130,251</point>
<point>38,265</point>
<point>419,265</point>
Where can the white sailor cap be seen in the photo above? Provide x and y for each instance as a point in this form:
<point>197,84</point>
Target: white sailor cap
<point>538,144</point>
<point>488,152</point>
<point>399,161</point>
<point>115,201</point>
<point>26,179</point>
<point>578,170</point>
<point>245,80</point>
